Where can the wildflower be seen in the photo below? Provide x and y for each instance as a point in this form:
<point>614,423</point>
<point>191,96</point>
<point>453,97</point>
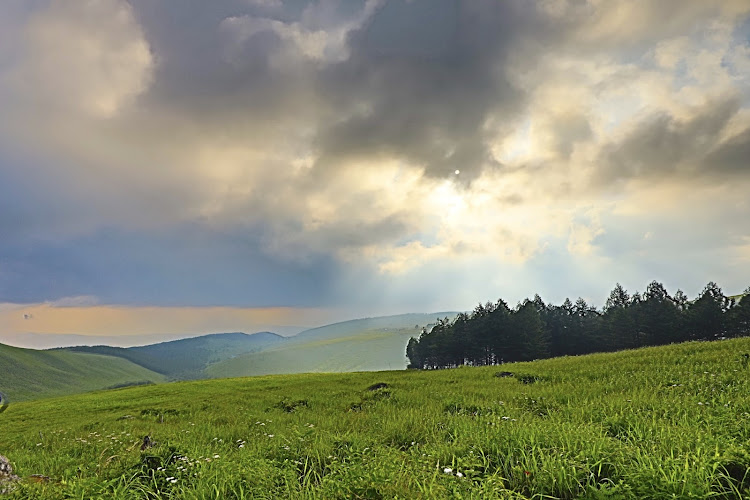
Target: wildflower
<point>270,435</point>
<point>216,456</point>
<point>448,470</point>
<point>174,480</point>
<point>458,474</point>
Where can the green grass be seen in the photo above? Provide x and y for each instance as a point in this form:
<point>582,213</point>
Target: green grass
<point>667,422</point>
<point>30,374</point>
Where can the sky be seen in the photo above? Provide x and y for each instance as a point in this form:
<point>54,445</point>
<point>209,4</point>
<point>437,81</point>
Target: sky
<point>185,167</point>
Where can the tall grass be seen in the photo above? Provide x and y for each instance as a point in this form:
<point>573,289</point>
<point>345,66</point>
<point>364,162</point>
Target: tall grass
<point>668,422</point>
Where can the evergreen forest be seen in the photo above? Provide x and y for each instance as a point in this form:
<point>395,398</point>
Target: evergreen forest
<point>494,333</point>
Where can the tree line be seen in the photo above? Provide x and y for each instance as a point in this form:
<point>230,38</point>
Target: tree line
<point>493,333</point>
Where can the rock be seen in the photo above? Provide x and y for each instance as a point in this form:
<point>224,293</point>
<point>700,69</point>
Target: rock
<point>7,478</point>
<point>375,387</point>
<point>147,443</point>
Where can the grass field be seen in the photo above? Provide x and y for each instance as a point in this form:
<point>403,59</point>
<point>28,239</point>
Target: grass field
<point>30,374</point>
<point>668,422</point>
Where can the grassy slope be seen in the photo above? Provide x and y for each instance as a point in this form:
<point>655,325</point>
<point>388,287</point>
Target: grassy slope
<point>364,351</point>
<point>367,344</point>
<point>186,359</point>
<point>668,422</point>
<point>28,374</point>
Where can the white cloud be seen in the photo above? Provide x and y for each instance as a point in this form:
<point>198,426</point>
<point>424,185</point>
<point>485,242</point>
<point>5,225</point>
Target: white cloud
<point>88,56</point>
<point>301,40</point>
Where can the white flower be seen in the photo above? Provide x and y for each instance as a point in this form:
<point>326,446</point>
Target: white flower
<point>216,456</point>
<point>448,470</point>
<point>458,474</point>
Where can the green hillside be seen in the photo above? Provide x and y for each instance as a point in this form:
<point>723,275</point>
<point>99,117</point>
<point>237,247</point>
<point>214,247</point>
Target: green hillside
<point>664,422</point>
<point>186,359</point>
<point>368,350</point>
<point>368,344</point>
<point>30,374</point>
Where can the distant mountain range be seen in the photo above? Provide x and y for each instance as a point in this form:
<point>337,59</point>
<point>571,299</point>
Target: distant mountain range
<point>186,359</point>
<point>357,345</point>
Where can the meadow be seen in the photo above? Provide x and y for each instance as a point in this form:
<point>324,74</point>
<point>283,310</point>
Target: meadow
<point>30,374</point>
<point>663,422</point>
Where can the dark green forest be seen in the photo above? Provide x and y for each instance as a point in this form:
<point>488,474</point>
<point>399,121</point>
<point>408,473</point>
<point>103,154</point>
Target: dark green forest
<point>494,333</point>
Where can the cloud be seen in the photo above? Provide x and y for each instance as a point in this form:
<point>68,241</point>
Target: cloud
<point>77,301</point>
<point>661,145</point>
<point>85,57</point>
<point>264,152</point>
<point>426,83</point>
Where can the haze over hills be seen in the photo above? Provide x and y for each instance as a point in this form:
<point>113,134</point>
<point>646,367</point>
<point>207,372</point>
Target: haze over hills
<point>368,344</point>
<point>357,345</point>
<point>186,359</point>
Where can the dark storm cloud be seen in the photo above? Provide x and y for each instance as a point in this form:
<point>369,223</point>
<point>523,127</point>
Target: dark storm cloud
<point>733,156</point>
<point>662,145</point>
<point>424,80</point>
<point>193,78</point>
<point>188,265</point>
<point>430,75</point>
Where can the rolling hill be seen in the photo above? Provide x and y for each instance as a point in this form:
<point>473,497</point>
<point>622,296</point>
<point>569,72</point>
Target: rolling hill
<point>368,344</point>
<point>358,345</point>
<point>368,350</point>
<point>186,359</point>
<point>30,374</point>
